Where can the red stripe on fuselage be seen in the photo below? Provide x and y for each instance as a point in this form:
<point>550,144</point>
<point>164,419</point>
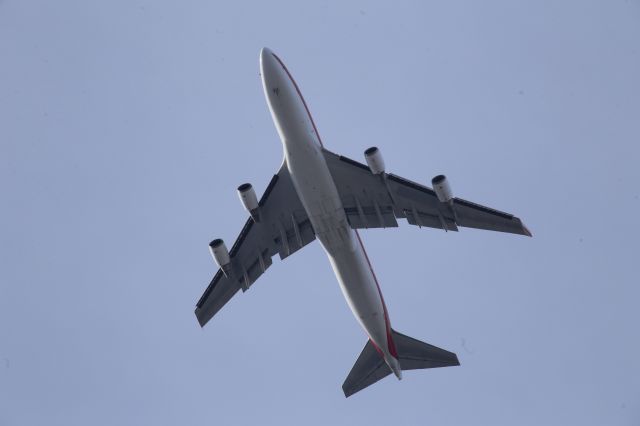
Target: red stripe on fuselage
<point>301,98</point>
<point>390,343</point>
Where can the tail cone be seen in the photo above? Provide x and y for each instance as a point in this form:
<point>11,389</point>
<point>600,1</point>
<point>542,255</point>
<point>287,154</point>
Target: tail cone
<point>394,365</point>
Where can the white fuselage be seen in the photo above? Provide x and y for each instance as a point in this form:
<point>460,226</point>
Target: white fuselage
<point>317,191</point>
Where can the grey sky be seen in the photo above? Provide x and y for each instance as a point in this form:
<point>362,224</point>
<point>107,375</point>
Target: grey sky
<point>125,127</point>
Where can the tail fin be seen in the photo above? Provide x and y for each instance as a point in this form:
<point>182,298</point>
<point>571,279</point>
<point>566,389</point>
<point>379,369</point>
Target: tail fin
<point>412,354</point>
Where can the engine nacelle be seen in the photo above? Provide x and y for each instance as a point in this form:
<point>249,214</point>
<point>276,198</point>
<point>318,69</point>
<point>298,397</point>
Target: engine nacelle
<point>442,188</point>
<point>249,199</point>
<point>374,160</point>
<point>220,254</point>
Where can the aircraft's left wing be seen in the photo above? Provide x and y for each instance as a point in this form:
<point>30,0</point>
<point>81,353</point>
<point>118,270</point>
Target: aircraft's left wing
<point>283,227</point>
<point>377,200</point>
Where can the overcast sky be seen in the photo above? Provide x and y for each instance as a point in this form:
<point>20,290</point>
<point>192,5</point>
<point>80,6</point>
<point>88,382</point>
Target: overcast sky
<point>125,127</point>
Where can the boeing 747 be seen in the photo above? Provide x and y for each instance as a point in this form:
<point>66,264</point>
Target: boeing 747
<point>319,194</point>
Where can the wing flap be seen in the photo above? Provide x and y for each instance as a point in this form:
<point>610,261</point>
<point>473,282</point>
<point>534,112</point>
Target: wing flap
<point>371,215</point>
<point>473,215</point>
<point>295,235</point>
<point>415,217</point>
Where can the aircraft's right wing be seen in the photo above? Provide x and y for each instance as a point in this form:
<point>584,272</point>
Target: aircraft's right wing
<point>375,201</point>
<point>283,228</point>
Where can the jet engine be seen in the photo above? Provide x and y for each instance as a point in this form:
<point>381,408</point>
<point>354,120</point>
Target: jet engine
<point>442,188</point>
<point>220,254</point>
<point>374,160</point>
<point>249,199</point>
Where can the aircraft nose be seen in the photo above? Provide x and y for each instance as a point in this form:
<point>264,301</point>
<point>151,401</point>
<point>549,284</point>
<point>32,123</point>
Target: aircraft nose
<point>267,62</point>
<point>274,78</point>
<point>265,52</point>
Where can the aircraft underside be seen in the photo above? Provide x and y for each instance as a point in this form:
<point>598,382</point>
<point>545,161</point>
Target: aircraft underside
<point>318,194</point>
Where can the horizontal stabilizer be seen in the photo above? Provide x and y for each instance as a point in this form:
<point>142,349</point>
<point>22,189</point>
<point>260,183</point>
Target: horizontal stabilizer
<point>368,369</point>
<point>412,354</point>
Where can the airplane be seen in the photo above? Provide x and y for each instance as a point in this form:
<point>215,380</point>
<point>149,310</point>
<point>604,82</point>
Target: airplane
<point>319,194</point>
